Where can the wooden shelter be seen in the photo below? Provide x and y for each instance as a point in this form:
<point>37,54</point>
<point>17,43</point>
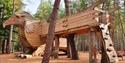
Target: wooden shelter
<point>78,23</point>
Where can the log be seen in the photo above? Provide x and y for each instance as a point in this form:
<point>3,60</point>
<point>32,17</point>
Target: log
<point>56,47</point>
<point>74,54</point>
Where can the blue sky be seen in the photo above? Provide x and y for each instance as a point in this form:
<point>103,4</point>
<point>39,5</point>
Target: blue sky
<point>31,6</point>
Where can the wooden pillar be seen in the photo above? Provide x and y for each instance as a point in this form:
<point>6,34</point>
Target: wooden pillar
<point>3,45</point>
<point>56,47</point>
<point>74,54</point>
<point>68,49</point>
<point>8,49</point>
<point>92,46</point>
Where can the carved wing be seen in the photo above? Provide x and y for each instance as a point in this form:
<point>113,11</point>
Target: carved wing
<point>33,32</point>
<point>29,27</point>
<point>33,27</point>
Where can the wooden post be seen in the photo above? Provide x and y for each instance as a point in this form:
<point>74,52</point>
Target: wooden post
<point>91,45</point>
<point>4,43</point>
<point>74,54</point>
<point>68,49</point>
<point>8,49</point>
<point>56,47</point>
<point>67,12</point>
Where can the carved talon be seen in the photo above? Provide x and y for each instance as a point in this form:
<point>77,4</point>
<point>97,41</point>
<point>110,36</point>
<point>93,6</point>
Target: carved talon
<point>39,51</point>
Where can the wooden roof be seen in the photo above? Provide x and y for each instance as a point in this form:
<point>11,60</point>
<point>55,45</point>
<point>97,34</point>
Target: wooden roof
<point>78,23</point>
<point>74,23</point>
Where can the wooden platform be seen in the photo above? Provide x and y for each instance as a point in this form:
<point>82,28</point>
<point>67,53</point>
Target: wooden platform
<point>76,23</point>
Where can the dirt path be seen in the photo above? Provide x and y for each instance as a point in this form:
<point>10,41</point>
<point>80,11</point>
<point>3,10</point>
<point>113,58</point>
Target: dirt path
<point>10,58</point>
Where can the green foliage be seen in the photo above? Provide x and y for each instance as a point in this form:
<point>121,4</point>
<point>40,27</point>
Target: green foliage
<point>44,11</point>
<point>61,13</point>
<point>78,6</point>
<point>6,13</point>
<point>83,4</point>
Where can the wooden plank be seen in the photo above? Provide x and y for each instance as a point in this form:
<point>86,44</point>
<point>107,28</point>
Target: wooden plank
<point>82,14</point>
<point>76,24</point>
<point>59,26</point>
<point>80,23</point>
<point>76,16</point>
<point>91,36</point>
<point>90,16</point>
<point>77,30</point>
<point>56,50</point>
<point>72,22</point>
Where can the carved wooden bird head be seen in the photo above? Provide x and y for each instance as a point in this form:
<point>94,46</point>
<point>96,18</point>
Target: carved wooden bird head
<point>17,19</point>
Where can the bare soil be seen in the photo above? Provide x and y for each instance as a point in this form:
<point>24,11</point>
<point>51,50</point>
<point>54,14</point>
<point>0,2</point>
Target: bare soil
<point>84,58</point>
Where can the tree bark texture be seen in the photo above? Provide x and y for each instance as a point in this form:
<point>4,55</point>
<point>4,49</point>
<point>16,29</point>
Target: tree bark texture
<point>67,12</point>
<point>50,36</point>
<point>74,54</point>
<point>104,56</point>
<point>66,7</point>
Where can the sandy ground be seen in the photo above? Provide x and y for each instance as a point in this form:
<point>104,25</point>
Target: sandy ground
<point>10,58</point>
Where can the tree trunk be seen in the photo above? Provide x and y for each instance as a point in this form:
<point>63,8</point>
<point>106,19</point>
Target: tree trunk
<point>92,46</point>
<point>4,45</point>
<point>10,40</point>
<point>122,33</point>
<point>104,56</point>
<point>123,22</point>
<point>67,7</point>
<point>67,12</point>
<point>10,49</point>
<point>50,36</point>
<point>71,41</point>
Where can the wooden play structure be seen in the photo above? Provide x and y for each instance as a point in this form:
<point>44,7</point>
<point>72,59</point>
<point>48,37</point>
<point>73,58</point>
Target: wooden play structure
<point>69,25</point>
<point>33,32</point>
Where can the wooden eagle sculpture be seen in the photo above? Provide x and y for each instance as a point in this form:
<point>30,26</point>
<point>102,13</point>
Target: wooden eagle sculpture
<point>29,31</point>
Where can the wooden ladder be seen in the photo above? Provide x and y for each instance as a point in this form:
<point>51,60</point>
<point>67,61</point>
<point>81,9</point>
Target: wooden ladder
<point>108,43</point>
